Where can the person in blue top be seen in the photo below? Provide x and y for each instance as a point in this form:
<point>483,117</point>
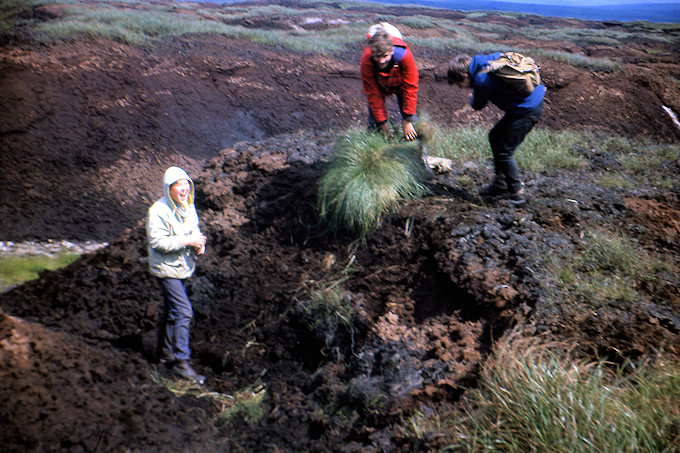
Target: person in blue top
<point>522,112</point>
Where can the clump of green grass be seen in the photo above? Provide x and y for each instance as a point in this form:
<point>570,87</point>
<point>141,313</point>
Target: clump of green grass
<point>418,21</point>
<point>578,60</point>
<point>664,183</point>
<point>15,270</point>
<point>368,177</point>
<point>535,397</point>
<point>323,300</point>
<point>607,269</point>
<point>465,42</point>
<point>247,401</point>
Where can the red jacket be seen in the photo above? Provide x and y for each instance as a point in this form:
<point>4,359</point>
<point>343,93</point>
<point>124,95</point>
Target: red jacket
<point>403,77</point>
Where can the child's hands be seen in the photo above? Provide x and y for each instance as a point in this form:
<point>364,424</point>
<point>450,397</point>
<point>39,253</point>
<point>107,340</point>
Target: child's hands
<point>196,240</point>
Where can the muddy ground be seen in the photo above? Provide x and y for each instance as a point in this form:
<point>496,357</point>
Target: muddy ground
<point>87,129</point>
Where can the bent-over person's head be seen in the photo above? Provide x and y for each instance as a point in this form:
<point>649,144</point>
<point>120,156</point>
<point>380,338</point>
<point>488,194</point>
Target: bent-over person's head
<point>457,71</point>
<point>381,46</point>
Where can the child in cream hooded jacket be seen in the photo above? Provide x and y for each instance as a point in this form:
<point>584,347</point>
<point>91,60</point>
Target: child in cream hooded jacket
<point>169,228</point>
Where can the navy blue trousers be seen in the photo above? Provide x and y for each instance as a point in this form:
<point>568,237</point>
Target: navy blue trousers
<point>504,139</point>
<point>175,322</point>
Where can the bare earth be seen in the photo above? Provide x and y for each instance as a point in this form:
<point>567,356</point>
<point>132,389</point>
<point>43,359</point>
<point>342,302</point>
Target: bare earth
<point>87,129</point>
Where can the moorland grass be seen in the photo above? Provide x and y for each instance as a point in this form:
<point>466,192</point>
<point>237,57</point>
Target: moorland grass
<point>615,181</point>
<point>15,270</point>
<point>368,177</point>
<point>548,150</point>
<point>542,150</point>
<point>142,27</point>
<point>535,397</point>
<point>150,21</point>
<point>606,269</point>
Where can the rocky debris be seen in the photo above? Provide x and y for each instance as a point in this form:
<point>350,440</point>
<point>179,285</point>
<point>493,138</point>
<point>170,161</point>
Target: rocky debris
<point>49,247</point>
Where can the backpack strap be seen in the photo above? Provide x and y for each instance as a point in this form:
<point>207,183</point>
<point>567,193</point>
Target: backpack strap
<point>399,52</point>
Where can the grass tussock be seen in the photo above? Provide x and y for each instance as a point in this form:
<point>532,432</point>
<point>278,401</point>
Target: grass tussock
<point>535,397</point>
<point>15,270</point>
<point>367,178</point>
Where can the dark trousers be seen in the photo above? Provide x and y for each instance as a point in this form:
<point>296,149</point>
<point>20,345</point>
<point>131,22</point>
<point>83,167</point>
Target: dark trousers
<point>505,137</point>
<point>175,322</point>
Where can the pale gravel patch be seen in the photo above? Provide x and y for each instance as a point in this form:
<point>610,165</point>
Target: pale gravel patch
<point>49,247</point>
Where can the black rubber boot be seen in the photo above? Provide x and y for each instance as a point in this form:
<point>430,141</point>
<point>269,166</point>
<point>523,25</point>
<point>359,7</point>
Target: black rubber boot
<point>497,187</point>
<point>516,198</point>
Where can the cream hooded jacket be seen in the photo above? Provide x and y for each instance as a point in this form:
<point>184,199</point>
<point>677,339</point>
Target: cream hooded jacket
<point>167,225</point>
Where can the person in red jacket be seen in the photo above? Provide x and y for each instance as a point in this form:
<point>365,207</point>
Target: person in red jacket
<point>387,68</point>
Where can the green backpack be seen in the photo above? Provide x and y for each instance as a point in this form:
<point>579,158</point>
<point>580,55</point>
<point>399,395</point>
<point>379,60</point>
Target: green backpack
<point>517,71</point>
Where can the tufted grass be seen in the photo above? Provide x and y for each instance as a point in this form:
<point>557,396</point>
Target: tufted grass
<point>367,178</point>
<point>535,397</point>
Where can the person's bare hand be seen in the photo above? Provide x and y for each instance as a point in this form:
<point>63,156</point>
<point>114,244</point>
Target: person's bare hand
<point>409,131</point>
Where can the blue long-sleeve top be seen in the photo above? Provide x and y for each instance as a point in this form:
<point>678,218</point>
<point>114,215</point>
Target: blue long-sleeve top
<point>488,88</point>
